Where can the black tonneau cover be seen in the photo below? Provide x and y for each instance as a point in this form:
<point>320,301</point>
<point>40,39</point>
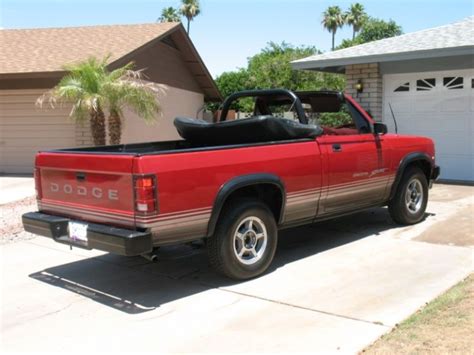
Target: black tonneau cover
<point>248,130</point>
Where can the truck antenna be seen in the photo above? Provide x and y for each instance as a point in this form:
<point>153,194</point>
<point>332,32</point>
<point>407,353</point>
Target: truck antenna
<point>393,116</point>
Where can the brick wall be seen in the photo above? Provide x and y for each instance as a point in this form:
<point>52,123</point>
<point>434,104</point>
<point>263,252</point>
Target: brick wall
<point>83,134</point>
<point>371,96</point>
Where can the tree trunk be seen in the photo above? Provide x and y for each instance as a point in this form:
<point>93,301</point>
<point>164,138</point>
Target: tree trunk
<point>189,22</point>
<point>115,127</point>
<point>97,123</point>
<point>353,34</point>
<point>333,37</point>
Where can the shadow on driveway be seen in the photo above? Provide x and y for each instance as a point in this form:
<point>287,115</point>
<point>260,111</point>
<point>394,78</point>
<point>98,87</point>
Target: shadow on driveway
<point>134,285</point>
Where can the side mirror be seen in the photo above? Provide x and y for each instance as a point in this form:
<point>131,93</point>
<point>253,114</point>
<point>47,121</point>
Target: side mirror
<point>380,128</point>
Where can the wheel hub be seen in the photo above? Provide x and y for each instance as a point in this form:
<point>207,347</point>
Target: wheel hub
<point>414,196</point>
<point>250,240</point>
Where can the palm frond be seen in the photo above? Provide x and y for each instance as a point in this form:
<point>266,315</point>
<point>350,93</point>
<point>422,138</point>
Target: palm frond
<point>133,93</point>
<point>169,14</point>
<point>190,9</point>
<point>118,73</point>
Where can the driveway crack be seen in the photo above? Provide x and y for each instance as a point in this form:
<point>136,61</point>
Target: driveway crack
<point>306,308</point>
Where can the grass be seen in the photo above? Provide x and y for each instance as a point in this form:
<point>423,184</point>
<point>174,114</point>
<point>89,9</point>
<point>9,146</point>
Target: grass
<point>443,326</point>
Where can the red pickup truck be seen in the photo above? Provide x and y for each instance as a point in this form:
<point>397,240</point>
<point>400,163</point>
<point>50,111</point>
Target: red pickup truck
<point>234,183</point>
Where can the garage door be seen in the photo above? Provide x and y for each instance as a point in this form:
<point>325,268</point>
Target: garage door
<point>439,105</point>
<point>26,129</point>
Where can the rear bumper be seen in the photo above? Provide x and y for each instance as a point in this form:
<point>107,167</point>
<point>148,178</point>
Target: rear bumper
<point>115,240</point>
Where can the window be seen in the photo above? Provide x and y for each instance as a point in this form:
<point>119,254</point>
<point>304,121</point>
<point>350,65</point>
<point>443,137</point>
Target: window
<point>453,82</point>
<point>404,87</point>
<point>425,84</point>
<point>345,120</point>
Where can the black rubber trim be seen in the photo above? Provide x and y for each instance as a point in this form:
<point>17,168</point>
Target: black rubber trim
<point>119,241</point>
<point>239,182</point>
<point>408,159</point>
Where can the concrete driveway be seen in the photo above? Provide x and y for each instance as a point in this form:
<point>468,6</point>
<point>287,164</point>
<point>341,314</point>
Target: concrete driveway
<point>15,188</point>
<point>334,286</point>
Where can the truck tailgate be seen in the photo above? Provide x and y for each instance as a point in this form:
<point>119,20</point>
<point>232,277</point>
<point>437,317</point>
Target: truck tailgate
<point>91,187</point>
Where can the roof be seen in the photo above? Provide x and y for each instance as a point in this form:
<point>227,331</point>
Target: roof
<point>448,40</point>
<point>27,52</point>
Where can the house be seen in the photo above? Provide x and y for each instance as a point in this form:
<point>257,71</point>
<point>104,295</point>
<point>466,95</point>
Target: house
<point>32,61</point>
<point>426,77</point>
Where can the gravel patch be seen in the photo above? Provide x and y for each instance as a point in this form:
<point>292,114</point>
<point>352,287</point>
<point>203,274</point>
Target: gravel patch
<point>11,228</point>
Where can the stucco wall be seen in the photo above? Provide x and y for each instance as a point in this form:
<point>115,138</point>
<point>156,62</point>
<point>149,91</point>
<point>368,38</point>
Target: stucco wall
<point>164,64</point>
<point>371,96</point>
<point>174,102</point>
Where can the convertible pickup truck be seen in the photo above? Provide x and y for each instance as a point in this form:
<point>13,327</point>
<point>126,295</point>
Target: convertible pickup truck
<point>301,157</point>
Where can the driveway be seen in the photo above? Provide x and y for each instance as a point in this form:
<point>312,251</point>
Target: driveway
<point>334,286</point>
<point>15,188</point>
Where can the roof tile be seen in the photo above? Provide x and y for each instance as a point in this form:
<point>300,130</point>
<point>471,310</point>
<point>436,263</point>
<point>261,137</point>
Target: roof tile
<point>48,49</point>
<point>456,35</point>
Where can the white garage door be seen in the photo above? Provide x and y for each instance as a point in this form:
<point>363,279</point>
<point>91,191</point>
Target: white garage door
<point>439,105</point>
<point>26,129</point>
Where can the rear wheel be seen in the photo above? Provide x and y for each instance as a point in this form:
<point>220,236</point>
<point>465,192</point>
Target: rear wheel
<point>245,240</point>
<point>409,203</point>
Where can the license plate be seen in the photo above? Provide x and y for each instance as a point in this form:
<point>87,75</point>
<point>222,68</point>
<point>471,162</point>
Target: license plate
<point>78,231</point>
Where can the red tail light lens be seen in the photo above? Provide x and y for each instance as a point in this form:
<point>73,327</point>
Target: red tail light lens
<point>39,191</point>
<point>146,201</point>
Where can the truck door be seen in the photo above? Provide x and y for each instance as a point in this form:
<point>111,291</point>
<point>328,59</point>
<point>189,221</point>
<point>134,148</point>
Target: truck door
<point>357,165</point>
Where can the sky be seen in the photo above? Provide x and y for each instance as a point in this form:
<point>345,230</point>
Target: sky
<point>229,31</point>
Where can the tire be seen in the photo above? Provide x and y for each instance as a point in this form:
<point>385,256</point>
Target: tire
<point>245,240</point>
<point>408,206</point>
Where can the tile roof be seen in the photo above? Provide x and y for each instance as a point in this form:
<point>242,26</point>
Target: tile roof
<point>48,49</point>
<point>453,39</point>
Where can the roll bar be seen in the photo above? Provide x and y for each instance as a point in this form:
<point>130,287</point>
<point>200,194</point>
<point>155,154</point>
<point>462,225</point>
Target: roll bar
<point>259,93</point>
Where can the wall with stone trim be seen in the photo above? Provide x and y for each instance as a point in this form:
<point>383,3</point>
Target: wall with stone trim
<point>371,96</point>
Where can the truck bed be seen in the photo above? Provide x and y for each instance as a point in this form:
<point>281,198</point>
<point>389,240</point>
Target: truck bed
<point>167,147</point>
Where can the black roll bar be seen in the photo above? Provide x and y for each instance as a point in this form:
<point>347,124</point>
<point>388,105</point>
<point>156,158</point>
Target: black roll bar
<point>268,92</point>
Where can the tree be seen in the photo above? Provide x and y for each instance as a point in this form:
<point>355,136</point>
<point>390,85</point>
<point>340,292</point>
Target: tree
<point>169,14</point>
<point>125,88</point>
<point>230,82</point>
<point>190,9</point>
<point>332,20</point>
<point>271,68</point>
<point>355,17</point>
<point>373,30</point>
<point>91,88</point>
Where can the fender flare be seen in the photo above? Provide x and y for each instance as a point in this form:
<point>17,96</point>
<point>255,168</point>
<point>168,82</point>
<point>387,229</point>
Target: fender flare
<point>243,181</point>
<point>408,159</point>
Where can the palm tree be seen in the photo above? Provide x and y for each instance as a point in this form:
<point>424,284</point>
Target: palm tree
<point>125,88</point>
<point>169,14</point>
<point>190,9</point>
<point>332,20</point>
<point>91,87</point>
<point>356,17</point>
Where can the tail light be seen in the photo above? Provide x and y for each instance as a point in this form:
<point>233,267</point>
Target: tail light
<point>146,199</point>
<point>39,191</point>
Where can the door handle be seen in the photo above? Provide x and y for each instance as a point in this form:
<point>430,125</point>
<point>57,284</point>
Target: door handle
<point>336,148</point>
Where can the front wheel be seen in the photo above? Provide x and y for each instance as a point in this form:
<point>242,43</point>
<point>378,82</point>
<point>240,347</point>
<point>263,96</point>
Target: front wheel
<point>409,203</point>
<point>245,240</point>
